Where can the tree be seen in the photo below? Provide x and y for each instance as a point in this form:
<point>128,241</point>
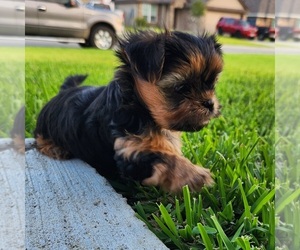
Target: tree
<point>197,11</point>
<point>198,8</point>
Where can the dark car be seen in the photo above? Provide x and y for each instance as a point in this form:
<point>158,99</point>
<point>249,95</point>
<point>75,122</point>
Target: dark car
<point>236,28</point>
<point>267,33</point>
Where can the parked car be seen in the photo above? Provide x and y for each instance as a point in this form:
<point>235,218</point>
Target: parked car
<point>236,27</point>
<point>285,32</point>
<point>296,34</point>
<point>296,31</point>
<point>70,19</point>
<point>273,33</point>
<point>12,13</point>
<point>267,33</point>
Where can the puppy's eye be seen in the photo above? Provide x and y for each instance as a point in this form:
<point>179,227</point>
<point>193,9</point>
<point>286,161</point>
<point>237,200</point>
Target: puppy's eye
<point>183,88</point>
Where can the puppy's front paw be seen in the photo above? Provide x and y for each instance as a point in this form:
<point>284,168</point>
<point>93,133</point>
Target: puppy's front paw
<point>177,172</point>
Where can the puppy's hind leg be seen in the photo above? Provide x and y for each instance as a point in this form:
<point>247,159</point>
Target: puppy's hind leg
<point>47,147</point>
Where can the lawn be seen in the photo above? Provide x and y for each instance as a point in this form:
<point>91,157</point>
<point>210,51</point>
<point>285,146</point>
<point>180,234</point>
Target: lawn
<point>238,212</point>
<point>12,86</point>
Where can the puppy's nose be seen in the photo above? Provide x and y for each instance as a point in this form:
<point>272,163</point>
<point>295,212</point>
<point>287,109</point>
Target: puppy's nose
<point>209,104</point>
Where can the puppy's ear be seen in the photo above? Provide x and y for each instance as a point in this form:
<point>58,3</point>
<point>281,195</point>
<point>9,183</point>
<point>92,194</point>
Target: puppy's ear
<point>145,53</point>
<point>217,45</point>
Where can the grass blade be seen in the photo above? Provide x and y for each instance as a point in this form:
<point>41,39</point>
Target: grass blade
<point>167,231</point>
<point>266,197</point>
<point>178,211</point>
<point>287,199</point>
<point>227,242</point>
<point>187,205</point>
<point>205,238</point>
<point>245,201</point>
<point>168,220</point>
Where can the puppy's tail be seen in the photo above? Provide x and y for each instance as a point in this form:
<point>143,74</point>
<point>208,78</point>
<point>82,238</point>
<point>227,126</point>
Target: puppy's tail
<point>72,81</point>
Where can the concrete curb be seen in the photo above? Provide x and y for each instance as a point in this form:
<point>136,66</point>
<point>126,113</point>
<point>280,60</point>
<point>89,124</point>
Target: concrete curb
<point>12,197</point>
<point>70,206</point>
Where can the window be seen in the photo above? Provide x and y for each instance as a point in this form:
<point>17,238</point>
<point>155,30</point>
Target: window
<point>149,12</point>
<point>229,21</point>
<point>63,2</point>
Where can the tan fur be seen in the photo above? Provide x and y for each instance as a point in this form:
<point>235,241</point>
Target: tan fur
<point>171,176</point>
<point>165,142</point>
<point>197,63</point>
<point>47,147</point>
<point>183,172</point>
<point>154,100</point>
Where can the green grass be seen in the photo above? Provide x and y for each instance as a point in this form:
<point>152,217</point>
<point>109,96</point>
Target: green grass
<point>238,212</point>
<point>46,69</point>
<point>287,151</point>
<point>12,86</point>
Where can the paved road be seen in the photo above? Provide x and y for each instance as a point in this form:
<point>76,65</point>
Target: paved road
<point>234,49</point>
<point>266,48</point>
<point>227,48</point>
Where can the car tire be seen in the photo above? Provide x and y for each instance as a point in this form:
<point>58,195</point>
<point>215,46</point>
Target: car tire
<point>220,32</point>
<point>102,37</point>
<point>238,34</point>
<point>261,37</point>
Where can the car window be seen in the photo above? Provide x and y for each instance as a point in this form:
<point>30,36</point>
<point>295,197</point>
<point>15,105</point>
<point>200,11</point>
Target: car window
<point>63,2</point>
<point>236,22</point>
<point>244,23</point>
<point>229,21</point>
<point>101,6</point>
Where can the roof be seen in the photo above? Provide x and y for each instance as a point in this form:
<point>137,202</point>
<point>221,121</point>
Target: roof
<point>260,8</point>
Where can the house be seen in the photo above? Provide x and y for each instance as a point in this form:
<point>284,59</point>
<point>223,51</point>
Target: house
<point>175,14</point>
<point>261,13</point>
<point>215,9</point>
<point>156,12</point>
<point>288,18</point>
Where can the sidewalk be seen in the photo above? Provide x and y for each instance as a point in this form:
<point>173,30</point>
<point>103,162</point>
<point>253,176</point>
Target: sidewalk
<point>70,206</point>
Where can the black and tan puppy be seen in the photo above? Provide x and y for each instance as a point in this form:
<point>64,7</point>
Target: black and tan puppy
<point>165,84</point>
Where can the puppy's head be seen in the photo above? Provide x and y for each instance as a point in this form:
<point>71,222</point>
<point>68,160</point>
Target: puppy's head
<point>174,76</point>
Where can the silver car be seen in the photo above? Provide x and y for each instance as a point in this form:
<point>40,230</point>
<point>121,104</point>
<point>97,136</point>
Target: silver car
<point>70,19</point>
<point>12,13</point>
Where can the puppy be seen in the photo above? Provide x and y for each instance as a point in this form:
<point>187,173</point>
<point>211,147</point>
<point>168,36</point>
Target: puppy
<point>165,84</point>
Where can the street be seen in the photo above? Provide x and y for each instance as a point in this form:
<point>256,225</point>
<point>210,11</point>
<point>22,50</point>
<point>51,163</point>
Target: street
<point>280,47</point>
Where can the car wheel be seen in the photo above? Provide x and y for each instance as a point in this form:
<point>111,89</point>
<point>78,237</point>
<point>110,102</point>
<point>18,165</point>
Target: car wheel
<point>261,37</point>
<point>220,32</point>
<point>102,37</point>
<point>238,34</point>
